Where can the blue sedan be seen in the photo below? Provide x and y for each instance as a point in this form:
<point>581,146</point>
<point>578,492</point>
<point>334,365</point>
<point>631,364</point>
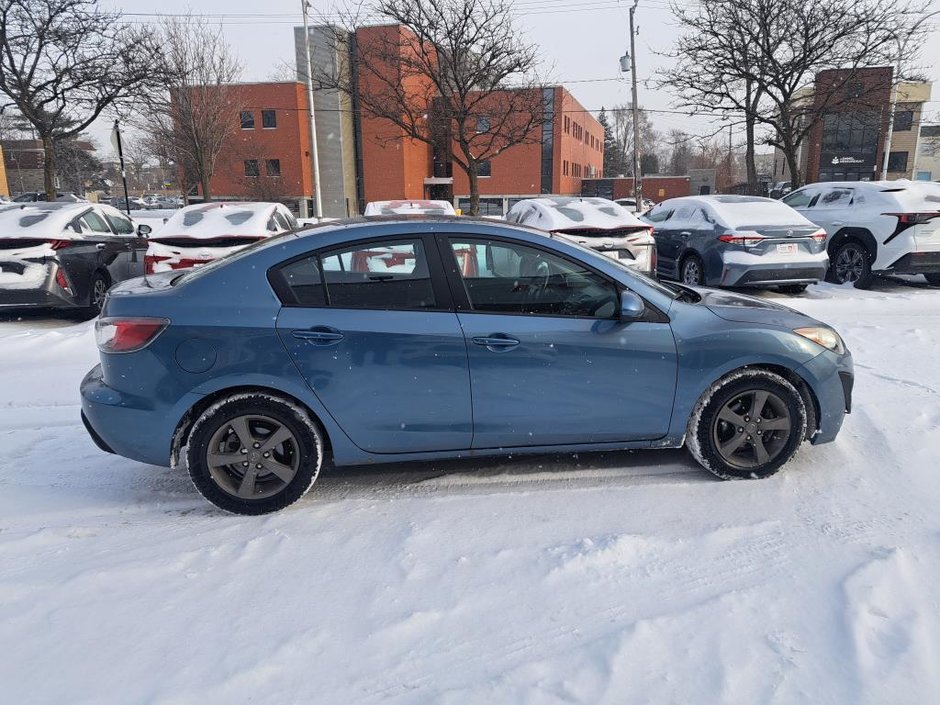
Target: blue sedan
<point>424,338</point>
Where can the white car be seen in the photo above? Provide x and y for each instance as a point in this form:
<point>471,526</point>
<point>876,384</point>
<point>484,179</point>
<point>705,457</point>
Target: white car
<point>875,227</point>
<point>597,223</point>
<point>630,204</point>
<point>410,207</point>
<point>201,233</point>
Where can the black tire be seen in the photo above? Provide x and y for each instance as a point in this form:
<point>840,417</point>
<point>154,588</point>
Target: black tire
<point>793,289</point>
<point>933,279</point>
<point>692,271</point>
<point>851,264</point>
<point>270,478</point>
<point>97,289</point>
<point>731,451</point>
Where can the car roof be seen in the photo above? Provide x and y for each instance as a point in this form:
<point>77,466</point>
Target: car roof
<point>414,205</point>
<point>556,213</point>
<point>38,219</point>
<point>217,219</point>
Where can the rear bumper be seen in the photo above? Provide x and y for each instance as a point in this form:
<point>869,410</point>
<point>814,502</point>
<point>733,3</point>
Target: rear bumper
<point>749,270</point>
<point>916,263</point>
<point>32,286</point>
<point>125,424</point>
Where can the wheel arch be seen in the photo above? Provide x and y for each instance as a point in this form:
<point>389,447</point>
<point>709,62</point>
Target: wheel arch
<point>185,425</point>
<point>860,235</point>
<point>810,401</point>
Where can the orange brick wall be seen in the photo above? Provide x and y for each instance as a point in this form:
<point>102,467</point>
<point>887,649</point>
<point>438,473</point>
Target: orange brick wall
<point>579,140</point>
<point>289,142</point>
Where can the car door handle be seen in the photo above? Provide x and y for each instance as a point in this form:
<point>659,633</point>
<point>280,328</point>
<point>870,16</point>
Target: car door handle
<point>685,233</point>
<point>837,222</point>
<point>496,342</point>
<point>100,246</point>
<point>321,335</point>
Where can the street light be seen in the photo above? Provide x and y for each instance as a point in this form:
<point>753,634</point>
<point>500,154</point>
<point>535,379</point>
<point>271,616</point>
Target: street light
<point>628,63</point>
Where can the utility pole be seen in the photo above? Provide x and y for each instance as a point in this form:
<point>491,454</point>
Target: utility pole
<point>116,141</point>
<point>313,117</point>
<point>637,183</point>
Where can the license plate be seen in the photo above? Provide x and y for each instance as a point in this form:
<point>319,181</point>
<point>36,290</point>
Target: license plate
<point>788,248</point>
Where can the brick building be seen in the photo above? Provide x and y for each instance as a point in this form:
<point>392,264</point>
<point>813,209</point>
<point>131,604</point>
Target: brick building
<point>848,143</point>
<point>655,188</point>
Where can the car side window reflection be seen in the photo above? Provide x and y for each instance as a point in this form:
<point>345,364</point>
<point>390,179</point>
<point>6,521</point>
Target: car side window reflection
<point>378,275</point>
<point>509,278</point>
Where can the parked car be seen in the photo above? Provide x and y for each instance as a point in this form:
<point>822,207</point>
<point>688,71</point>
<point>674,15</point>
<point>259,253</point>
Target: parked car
<point>198,234</point>
<point>66,255</point>
<point>37,196</point>
<point>875,227</point>
<point>597,223</point>
<point>409,207</point>
<point>360,341</point>
<point>727,240</point>
<point>630,204</point>
<point>780,189</point>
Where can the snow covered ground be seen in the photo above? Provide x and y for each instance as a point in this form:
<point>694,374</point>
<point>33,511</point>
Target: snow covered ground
<point>622,578</point>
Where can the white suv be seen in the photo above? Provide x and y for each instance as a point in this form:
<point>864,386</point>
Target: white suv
<point>875,227</point>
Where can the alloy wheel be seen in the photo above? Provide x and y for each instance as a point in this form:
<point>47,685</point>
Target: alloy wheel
<point>252,457</point>
<point>850,264</point>
<point>751,429</point>
<point>98,290</point>
<point>691,272</point>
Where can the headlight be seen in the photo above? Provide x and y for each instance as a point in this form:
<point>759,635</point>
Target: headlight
<point>826,337</point>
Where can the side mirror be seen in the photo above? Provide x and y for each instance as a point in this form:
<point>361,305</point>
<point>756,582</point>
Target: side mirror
<point>632,306</point>
<point>143,230</point>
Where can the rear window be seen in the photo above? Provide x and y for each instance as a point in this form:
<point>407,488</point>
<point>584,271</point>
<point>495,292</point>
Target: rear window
<point>738,215</point>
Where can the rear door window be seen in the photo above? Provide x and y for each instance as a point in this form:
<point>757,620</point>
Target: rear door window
<point>835,198</point>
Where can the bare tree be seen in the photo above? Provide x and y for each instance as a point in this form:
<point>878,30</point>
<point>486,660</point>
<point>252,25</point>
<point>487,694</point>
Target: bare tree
<point>622,129</point>
<point>64,62</point>
<point>757,58</point>
<point>189,122</point>
<point>452,73</point>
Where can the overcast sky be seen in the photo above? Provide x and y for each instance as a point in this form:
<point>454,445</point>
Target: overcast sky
<point>580,40</point>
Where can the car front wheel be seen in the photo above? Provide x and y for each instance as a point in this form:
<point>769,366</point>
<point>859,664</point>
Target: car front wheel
<point>747,425</point>
<point>254,453</point>
<point>933,279</point>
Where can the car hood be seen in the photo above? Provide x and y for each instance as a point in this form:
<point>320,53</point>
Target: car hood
<point>749,309</point>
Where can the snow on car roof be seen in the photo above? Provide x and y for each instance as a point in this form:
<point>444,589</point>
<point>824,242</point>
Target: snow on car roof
<point>40,219</point>
<point>743,211</point>
<point>555,213</point>
<point>908,196</point>
<point>406,207</point>
<point>211,220</point>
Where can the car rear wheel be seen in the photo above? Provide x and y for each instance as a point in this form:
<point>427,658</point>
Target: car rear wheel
<point>851,264</point>
<point>933,279</point>
<point>97,290</point>
<point>254,453</point>
<point>692,271</point>
<point>747,425</point>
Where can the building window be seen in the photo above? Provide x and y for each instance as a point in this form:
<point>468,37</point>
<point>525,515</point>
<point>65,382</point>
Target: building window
<point>903,120</point>
<point>897,161</point>
<point>273,167</point>
<point>251,167</point>
<point>483,125</point>
<point>486,169</point>
<point>564,168</point>
<point>247,120</point>
<point>922,176</point>
<point>268,119</point>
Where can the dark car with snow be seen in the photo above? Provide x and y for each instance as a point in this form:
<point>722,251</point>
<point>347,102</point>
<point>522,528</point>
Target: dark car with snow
<point>65,255</point>
<point>737,241</point>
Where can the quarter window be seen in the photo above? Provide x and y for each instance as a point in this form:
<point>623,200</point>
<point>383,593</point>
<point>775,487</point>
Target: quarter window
<point>516,279</point>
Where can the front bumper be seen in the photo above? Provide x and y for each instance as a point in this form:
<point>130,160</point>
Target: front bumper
<point>831,377</point>
<point>744,269</point>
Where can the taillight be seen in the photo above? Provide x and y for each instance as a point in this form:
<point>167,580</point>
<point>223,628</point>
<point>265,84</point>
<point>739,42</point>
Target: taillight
<point>748,240</point>
<point>914,218</point>
<point>124,335</point>
<point>819,236</point>
<point>59,244</point>
<point>63,281</point>
<point>654,260</point>
<point>150,261</point>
